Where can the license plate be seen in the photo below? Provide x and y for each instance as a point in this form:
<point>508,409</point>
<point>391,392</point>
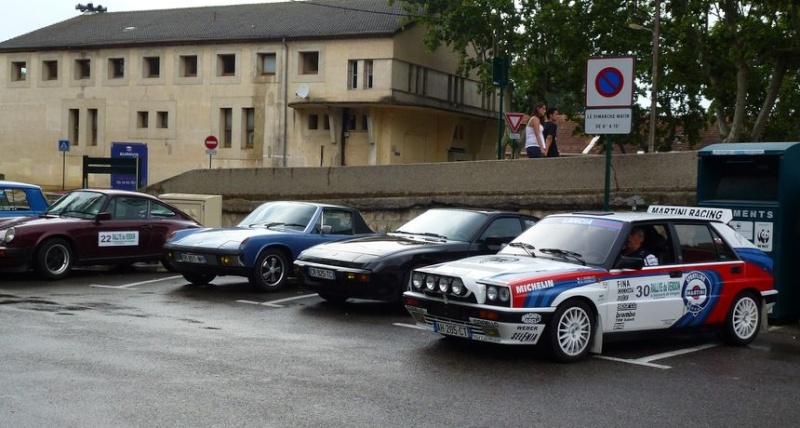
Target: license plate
<point>452,329</point>
<point>321,273</point>
<point>193,258</point>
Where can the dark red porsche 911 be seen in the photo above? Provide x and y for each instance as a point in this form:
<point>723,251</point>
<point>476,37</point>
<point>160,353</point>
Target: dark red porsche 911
<point>90,227</point>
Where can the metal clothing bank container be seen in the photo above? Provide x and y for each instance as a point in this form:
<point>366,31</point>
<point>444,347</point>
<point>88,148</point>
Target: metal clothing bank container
<point>760,182</point>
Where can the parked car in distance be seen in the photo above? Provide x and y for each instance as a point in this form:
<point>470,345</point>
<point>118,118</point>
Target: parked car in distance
<point>565,285</point>
<point>263,245</point>
<point>21,199</point>
<point>377,267</point>
<point>90,227</point>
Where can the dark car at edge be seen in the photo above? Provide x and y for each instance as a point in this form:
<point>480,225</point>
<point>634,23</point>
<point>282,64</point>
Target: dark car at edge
<point>377,267</point>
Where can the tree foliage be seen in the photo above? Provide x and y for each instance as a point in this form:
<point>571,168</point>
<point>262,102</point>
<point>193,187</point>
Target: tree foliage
<point>733,63</point>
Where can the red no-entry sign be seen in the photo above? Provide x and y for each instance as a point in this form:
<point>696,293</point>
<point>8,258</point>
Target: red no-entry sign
<point>211,142</point>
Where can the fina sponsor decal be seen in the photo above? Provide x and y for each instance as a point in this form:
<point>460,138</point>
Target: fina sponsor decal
<point>534,286</point>
<point>696,287</point>
<point>531,318</point>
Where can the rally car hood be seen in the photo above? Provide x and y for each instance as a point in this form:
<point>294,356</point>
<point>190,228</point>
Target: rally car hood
<point>371,247</point>
<point>522,274</point>
<point>228,237</point>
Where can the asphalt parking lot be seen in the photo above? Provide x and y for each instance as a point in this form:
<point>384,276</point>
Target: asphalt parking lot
<point>139,347</point>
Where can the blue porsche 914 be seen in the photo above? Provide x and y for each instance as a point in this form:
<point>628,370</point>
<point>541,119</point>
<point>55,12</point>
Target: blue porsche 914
<point>263,246</point>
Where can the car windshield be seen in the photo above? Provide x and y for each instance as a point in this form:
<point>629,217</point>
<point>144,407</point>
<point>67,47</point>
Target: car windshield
<point>78,204</point>
<point>456,225</point>
<point>574,239</point>
<point>280,215</point>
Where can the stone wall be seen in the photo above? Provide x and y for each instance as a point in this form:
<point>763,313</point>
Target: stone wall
<point>389,195</point>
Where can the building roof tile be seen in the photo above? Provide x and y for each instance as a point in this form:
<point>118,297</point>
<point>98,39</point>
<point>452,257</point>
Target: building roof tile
<point>291,20</point>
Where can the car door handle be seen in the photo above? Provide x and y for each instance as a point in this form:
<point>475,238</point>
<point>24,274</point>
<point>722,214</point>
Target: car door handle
<point>675,273</point>
<point>736,269</point>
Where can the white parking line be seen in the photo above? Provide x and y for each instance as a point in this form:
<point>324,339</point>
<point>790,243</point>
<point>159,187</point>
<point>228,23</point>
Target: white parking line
<point>646,361</point>
<point>414,326</point>
<point>133,284</point>
<point>274,303</point>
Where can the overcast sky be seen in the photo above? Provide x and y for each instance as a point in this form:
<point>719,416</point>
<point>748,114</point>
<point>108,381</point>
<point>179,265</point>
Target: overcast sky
<point>23,16</point>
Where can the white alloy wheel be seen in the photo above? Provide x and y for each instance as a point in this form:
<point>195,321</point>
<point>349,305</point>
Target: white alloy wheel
<point>743,320</point>
<point>570,332</point>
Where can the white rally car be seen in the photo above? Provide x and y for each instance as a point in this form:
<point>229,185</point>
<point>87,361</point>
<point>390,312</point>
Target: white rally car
<point>565,284</point>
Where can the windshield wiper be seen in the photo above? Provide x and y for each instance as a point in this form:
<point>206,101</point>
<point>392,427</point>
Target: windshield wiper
<point>527,247</point>
<point>565,254</point>
<point>274,223</point>
<point>66,212</point>
<point>435,235</point>
<point>431,234</point>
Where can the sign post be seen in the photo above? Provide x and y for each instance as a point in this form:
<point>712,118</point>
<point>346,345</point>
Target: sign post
<point>500,65</point>
<point>609,97</point>
<point>211,143</point>
<point>63,147</point>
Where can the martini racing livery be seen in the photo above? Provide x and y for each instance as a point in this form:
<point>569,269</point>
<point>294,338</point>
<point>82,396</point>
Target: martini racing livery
<point>564,283</point>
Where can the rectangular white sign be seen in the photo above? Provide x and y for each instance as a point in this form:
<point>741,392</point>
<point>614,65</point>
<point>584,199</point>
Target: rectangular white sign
<point>608,121</point>
<point>118,239</point>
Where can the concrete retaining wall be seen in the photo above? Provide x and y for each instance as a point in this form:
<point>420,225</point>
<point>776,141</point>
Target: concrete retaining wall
<point>389,195</point>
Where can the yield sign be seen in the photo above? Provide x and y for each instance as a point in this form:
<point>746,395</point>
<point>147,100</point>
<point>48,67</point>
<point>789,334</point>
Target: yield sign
<point>514,120</point>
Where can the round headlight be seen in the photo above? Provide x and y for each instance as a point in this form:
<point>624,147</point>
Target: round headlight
<point>491,293</point>
<point>9,235</point>
<point>430,283</point>
<point>457,287</point>
<point>443,285</point>
<point>504,294</point>
<point>416,280</point>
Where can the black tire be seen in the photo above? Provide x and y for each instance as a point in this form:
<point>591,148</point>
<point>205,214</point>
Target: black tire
<point>570,332</point>
<point>333,298</point>
<point>199,278</point>
<point>743,320</point>
<point>54,259</point>
<point>270,271</point>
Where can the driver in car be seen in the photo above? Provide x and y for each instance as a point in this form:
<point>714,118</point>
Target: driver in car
<point>633,248</point>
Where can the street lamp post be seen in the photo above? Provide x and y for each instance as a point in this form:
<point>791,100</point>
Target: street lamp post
<point>651,139</point>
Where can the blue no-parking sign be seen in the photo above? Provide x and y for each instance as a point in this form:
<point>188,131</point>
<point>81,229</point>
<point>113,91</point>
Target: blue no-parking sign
<point>609,82</point>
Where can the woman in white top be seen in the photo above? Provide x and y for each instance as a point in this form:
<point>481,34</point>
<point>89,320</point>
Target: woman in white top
<point>534,137</point>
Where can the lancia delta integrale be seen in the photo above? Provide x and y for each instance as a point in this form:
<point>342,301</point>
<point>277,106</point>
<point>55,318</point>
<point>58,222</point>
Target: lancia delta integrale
<point>573,279</point>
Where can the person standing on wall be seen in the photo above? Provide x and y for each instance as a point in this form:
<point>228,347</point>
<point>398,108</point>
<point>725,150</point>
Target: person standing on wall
<point>550,131</point>
<point>534,137</point>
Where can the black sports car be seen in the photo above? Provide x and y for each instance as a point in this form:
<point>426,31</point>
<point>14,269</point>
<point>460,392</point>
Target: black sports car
<point>377,267</point>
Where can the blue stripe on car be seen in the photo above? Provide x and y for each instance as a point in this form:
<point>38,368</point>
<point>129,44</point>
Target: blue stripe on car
<point>756,257</point>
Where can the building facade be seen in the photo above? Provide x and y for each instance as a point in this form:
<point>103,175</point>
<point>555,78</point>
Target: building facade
<point>295,84</point>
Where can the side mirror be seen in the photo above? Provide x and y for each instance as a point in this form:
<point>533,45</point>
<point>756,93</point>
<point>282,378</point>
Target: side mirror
<point>102,217</point>
<point>626,262</point>
<point>496,243</point>
<point>326,228</point>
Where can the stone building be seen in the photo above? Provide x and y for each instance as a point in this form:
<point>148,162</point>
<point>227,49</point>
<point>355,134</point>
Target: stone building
<point>293,84</point>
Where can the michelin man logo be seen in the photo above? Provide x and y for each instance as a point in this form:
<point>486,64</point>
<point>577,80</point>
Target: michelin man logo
<point>696,289</point>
